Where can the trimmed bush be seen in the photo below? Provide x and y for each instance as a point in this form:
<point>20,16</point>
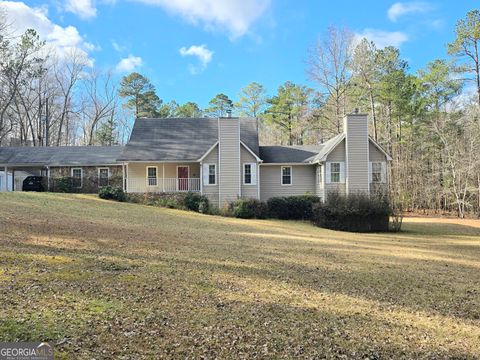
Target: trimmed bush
<point>111,193</point>
<point>249,209</point>
<point>356,213</point>
<point>192,201</point>
<point>63,184</point>
<point>292,207</point>
<point>183,201</point>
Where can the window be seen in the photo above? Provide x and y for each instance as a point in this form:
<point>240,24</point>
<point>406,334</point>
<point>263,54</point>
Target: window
<point>103,175</point>
<point>286,175</point>
<point>77,177</point>
<point>212,174</point>
<point>319,175</point>
<point>209,174</point>
<point>249,174</point>
<point>376,172</point>
<point>152,176</point>
<point>335,172</point>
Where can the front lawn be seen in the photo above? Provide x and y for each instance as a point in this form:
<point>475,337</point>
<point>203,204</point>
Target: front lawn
<point>123,281</point>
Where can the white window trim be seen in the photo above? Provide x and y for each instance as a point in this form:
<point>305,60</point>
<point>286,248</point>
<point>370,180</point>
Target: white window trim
<point>381,172</point>
<point>208,177</point>
<point>81,176</point>
<point>281,175</point>
<point>339,172</point>
<point>251,183</point>
<point>104,168</point>
<point>156,175</point>
<point>98,174</point>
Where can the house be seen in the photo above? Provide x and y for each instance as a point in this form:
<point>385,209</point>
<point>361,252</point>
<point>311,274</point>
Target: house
<point>219,158</point>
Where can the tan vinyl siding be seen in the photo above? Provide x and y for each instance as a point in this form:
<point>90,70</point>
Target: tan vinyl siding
<point>248,191</point>
<point>303,181</point>
<point>137,173</point>
<point>337,155</point>
<point>229,160</point>
<point>211,191</point>
<point>357,153</point>
<point>375,154</point>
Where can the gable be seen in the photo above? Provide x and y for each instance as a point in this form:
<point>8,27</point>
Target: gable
<point>185,139</point>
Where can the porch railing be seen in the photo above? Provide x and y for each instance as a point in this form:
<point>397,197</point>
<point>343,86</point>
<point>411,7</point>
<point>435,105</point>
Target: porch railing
<point>163,184</point>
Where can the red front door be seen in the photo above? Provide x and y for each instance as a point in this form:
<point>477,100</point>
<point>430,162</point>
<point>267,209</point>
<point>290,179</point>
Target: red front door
<point>182,175</point>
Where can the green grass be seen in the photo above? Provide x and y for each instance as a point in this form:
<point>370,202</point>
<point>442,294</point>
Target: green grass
<point>114,280</point>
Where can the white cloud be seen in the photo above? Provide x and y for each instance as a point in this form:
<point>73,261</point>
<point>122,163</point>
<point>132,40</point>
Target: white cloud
<point>400,9</point>
<point>61,39</point>
<point>383,38</point>
<point>236,16</point>
<point>201,52</point>
<point>129,63</point>
<point>117,47</point>
<point>84,9</point>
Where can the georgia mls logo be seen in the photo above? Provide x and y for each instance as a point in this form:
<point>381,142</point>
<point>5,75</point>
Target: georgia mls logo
<point>26,351</point>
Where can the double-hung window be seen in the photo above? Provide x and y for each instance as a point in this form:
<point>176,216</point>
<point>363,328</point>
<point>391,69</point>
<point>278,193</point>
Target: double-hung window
<point>376,172</point>
<point>249,174</point>
<point>335,170</point>
<point>286,175</point>
<point>77,177</point>
<point>212,174</point>
<point>209,174</point>
<point>103,175</point>
<point>152,179</point>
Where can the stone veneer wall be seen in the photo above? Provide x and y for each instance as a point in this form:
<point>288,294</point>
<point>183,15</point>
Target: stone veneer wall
<point>90,177</point>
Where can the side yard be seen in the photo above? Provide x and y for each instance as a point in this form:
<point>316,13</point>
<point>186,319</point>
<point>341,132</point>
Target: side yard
<point>114,280</point>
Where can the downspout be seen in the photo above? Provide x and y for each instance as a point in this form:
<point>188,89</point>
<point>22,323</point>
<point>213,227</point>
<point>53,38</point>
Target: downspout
<point>48,178</point>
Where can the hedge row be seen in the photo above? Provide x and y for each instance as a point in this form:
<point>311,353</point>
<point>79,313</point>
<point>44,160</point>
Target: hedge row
<point>358,213</point>
<point>184,201</point>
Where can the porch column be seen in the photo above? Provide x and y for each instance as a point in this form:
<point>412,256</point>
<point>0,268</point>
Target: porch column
<point>48,178</point>
<point>123,178</point>
<point>5,187</point>
<point>126,173</point>
<point>13,179</point>
<point>163,177</point>
<point>201,178</point>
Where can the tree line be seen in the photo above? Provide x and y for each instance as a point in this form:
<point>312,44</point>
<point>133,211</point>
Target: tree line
<point>429,120</point>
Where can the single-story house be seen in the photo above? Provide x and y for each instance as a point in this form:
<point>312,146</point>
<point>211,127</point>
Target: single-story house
<point>217,157</point>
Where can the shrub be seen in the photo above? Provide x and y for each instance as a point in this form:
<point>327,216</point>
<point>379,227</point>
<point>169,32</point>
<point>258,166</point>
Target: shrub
<point>63,184</point>
<point>182,201</point>
<point>249,209</point>
<point>192,201</point>
<point>292,207</point>
<point>357,213</point>
<point>111,193</point>
<point>204,206</point>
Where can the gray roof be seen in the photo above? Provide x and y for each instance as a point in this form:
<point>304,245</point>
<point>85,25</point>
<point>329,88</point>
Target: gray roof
<point>180,139</point>
<point>60,155</point>
<point>288,154</point>
<point>298,153</point>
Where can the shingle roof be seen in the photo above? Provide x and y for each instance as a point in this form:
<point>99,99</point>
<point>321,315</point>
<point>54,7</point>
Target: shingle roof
<point>180,139</point>
<point>288,154</point>
<point>60,155</point>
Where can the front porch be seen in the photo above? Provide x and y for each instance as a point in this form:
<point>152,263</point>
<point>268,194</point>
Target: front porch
<point>162,177</point>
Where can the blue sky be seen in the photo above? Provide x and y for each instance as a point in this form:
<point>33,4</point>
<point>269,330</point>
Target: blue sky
<point>194,49</point>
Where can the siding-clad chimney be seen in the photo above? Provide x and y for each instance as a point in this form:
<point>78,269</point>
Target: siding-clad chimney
<point>229,159</point>
<point>356,141</point>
